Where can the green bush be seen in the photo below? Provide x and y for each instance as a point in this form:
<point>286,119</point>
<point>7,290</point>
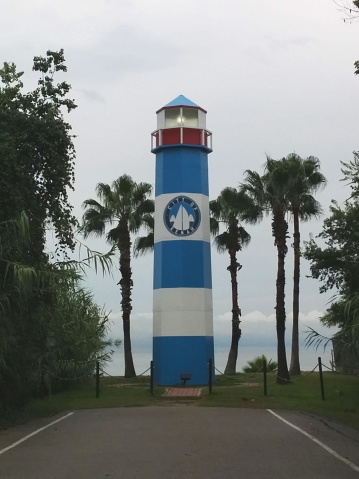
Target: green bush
<point>256,365</point>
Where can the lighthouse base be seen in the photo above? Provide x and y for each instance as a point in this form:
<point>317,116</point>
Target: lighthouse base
<point>175,355</point>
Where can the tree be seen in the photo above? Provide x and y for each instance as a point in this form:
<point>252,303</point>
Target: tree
<point>350,8</point>
<point>74,337</point>
<point>226,209</point>
<point>269,195</point>
<point>37,168</point>
<point>304,179</point>
<point>37,153</point>
<point>336,265</point>
<point>125,205</point>
<point>36,291</point>
<point>50,326</point>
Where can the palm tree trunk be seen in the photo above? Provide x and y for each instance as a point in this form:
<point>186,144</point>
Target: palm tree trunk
<point>126,290</point>
<point>280,228</point>
<point>129,365</point>
<point>236,312</point>
<point>294,362</point>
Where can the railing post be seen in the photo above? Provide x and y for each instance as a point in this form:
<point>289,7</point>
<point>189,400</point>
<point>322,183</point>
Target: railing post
<point>210,375</point>
<point>265,376</point>
<point>321,378</point>
<point>97,379</point>
<point>151,377</point>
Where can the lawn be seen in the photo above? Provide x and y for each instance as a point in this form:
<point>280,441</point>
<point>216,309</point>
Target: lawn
<point>242,390</point>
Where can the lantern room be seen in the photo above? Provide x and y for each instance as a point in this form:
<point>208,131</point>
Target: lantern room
<point>181,122</point>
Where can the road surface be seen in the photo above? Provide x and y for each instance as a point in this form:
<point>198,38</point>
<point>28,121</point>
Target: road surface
<point>179,441</point>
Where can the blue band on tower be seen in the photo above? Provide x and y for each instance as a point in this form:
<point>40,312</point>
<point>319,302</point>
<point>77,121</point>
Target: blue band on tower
<point>174,355</point>
<point>181,169</point>
<point>182,264</point>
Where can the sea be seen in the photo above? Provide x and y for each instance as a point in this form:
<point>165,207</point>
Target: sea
<point>142,359</point>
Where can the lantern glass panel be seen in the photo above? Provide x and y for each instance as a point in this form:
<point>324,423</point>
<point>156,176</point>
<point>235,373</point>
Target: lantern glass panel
<point>190,117</point>
<point>173,118</point>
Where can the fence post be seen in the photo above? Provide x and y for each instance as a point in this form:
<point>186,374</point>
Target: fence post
<point>97,379</point>
<point>151,377</point>
<point>265,376</point>
<point>210,373</point>
<point>321,378</point>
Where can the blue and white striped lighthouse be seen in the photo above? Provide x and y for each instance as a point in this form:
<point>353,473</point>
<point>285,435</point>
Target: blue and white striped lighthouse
<point>182,309</point>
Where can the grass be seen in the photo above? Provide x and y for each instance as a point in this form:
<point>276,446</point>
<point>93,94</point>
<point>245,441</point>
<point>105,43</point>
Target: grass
<point>303,393</point>
<point>114,392</point>
<point>242,390</point>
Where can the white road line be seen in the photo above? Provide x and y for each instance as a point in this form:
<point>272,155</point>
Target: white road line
<point>321,444</point>
<point>33,433</point>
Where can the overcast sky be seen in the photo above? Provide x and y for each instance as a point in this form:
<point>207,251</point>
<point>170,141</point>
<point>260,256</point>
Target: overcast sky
<point>275,77</point>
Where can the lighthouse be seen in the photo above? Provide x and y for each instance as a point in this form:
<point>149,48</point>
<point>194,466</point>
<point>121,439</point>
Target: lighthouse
<point>182,296</point>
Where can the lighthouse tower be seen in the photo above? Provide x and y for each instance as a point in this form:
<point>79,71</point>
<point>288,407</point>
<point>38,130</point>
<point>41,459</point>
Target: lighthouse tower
<point>182,305</point>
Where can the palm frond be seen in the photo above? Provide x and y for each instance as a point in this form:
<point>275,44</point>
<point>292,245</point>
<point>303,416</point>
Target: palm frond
<point>309,208</point>
<point>113,236</point>
<point>95,205</point>
<point>140,213</point>
<point>25,277</point>
<point>105,194</point>
<point>221,242</point>
<point>253,190</point>
<point>143,245</point>
<point>98,261</point>
<point>213,226</point>
<point>245,237</point>
<point>140,196</point>
<point>315,339</point>
<point>94,219</point>
<point>148,221</point>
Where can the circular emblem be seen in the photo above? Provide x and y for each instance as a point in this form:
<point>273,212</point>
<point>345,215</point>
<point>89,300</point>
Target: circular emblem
<point>182,216</point>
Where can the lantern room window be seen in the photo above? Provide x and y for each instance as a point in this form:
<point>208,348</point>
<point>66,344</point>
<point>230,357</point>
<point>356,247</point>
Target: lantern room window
<point>190,117</point>
<point>177,117</point>
<point>172,118</point>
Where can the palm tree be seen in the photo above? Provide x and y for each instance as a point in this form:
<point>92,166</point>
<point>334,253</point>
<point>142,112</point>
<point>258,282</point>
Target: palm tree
<point>227,209</point>
<point>124,205</point>
<point>305,179</point>
<point>269,195</point>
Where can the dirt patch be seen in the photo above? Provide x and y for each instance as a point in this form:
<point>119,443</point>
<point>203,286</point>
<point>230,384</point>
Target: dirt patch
<point>182,392</point>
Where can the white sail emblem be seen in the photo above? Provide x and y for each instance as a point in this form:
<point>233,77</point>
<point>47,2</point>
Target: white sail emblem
<point>182,216</point>
<point>183,220</point>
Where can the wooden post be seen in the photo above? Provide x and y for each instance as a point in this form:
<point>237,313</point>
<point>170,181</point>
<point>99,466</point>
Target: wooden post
<point>151,377</point>
<point>321,378</point>
<point>265,376</point>
<point>210,373</point>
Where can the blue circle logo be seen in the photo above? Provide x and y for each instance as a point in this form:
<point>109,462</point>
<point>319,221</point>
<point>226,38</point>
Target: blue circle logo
<point>182,216</point>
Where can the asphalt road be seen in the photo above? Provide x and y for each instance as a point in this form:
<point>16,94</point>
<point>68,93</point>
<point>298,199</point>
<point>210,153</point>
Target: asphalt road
<point>182,441</point>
